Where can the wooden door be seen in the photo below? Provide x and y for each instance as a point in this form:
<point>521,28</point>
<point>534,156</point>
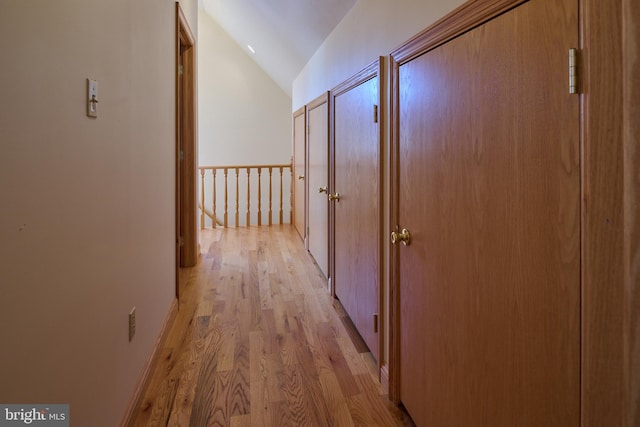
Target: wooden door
<point>489,188</point>
<point>186,148</point>
<point>356,158</point>
<point>318,179</point>
<point>299,171</point>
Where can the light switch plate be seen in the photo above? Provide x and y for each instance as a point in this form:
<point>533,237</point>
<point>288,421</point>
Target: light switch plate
<point>92,98</point>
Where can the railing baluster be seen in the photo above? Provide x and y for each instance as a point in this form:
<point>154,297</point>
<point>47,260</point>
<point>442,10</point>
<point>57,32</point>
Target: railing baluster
<point>291,191</point>
<point>281,169</point>
<point>280,195</point>
<point>226,198</point>
<point>202,198</point>
<point>214,220</point>
<point>259,196</point>
<point>270,195</point>
<point>248,197</point>
<point>237,196</point>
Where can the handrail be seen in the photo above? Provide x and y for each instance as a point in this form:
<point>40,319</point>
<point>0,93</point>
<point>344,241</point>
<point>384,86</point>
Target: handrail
<point>209,214</point>
<point>209,187</point>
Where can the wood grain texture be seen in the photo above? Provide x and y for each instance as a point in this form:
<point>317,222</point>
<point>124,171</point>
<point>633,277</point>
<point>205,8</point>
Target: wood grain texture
<point>459,21</point>
<point>631,39</point>
<point>186,141</point>
<point>489,187</point>
<point>356,164</point>
<point>258,341</point>
<point>604,373</point>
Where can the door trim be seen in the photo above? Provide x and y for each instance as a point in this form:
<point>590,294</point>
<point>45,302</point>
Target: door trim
<point>609,313</point>
<point>373,70</point>
<point>186,224</point>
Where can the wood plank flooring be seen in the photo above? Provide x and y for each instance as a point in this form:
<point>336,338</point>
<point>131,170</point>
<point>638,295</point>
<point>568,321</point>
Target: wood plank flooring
<point>258,341</point>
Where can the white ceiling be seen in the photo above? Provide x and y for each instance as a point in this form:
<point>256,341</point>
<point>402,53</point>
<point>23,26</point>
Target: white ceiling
<point>284,33</point>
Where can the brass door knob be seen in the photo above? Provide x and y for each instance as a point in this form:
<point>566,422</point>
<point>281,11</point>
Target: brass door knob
<point>300,176</point>
<point>404,236</point>
<point>322,189</point>
<point>335,197</point>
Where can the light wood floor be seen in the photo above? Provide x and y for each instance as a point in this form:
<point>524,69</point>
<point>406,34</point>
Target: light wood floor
<point>258,341</point>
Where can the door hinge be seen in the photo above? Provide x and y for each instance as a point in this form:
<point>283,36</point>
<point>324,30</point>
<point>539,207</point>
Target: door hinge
<point>375,323</point>
<point>181,155</point>
<point>180,69</point>
<point>181,241</point>
<point>573,71</point>
<point>375,114</point>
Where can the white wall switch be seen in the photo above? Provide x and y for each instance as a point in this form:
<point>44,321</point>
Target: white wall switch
<point>92,98</point>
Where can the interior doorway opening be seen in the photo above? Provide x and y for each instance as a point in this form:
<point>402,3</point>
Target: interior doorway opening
<point>186,148</point>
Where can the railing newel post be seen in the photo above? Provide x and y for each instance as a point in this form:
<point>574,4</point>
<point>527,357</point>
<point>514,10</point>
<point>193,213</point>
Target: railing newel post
<point>280,216</point>
<point>226,197</point>
<point>259,196</point>
<point>270,195</point>
<point>202,171</point>
<point>237,196</point>
<point>214,218</point>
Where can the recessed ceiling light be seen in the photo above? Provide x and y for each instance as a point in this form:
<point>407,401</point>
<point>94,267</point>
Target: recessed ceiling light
<point>251,49</point>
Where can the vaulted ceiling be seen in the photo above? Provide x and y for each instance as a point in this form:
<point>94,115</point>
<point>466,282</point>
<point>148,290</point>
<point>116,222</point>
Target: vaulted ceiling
<point>283,33</point>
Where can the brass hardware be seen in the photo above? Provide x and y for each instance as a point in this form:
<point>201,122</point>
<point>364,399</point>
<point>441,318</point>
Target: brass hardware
<point>300,176</point>
<point>573,71</point>
<point>335,197</point>
<point>375,323</point>
<point>404,236</point>
<point>375,114</point>
<point>323,190</point>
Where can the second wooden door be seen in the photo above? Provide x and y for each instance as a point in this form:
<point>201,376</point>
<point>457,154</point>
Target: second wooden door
<point>318,181</point>
<point>356,204</point>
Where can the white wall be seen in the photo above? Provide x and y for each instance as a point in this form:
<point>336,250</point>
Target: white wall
<point>245,119</point>
<point>245,116</point>
<point>87,205</point>
<point>372,28</point>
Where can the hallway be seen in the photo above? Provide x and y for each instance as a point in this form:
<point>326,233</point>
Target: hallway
<point>258,340</point>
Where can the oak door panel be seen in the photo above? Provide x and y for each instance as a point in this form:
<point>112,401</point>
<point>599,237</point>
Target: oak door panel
<point>318,232</point>
<point>489,187</point>
<point>357,213</point>
<point>299,170</point>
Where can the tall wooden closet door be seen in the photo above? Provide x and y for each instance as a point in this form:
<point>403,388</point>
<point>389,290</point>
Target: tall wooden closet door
<point>299,171</point>
<point>489,189</point>
<point>318,134</point>
<point>357,210</point>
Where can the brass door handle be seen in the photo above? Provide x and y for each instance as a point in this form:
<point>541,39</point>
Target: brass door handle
<point>300,176</point>
<point>335,197</point>
<point>322,189</point>
<point>404,236</point>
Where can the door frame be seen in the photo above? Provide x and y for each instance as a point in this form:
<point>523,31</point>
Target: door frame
<point>373,70</point>
<point>186,148</point>
<point>610,311</point>
<point>317,102</point>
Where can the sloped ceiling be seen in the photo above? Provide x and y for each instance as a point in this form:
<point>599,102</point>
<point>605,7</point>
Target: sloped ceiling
<point>283,33</point>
